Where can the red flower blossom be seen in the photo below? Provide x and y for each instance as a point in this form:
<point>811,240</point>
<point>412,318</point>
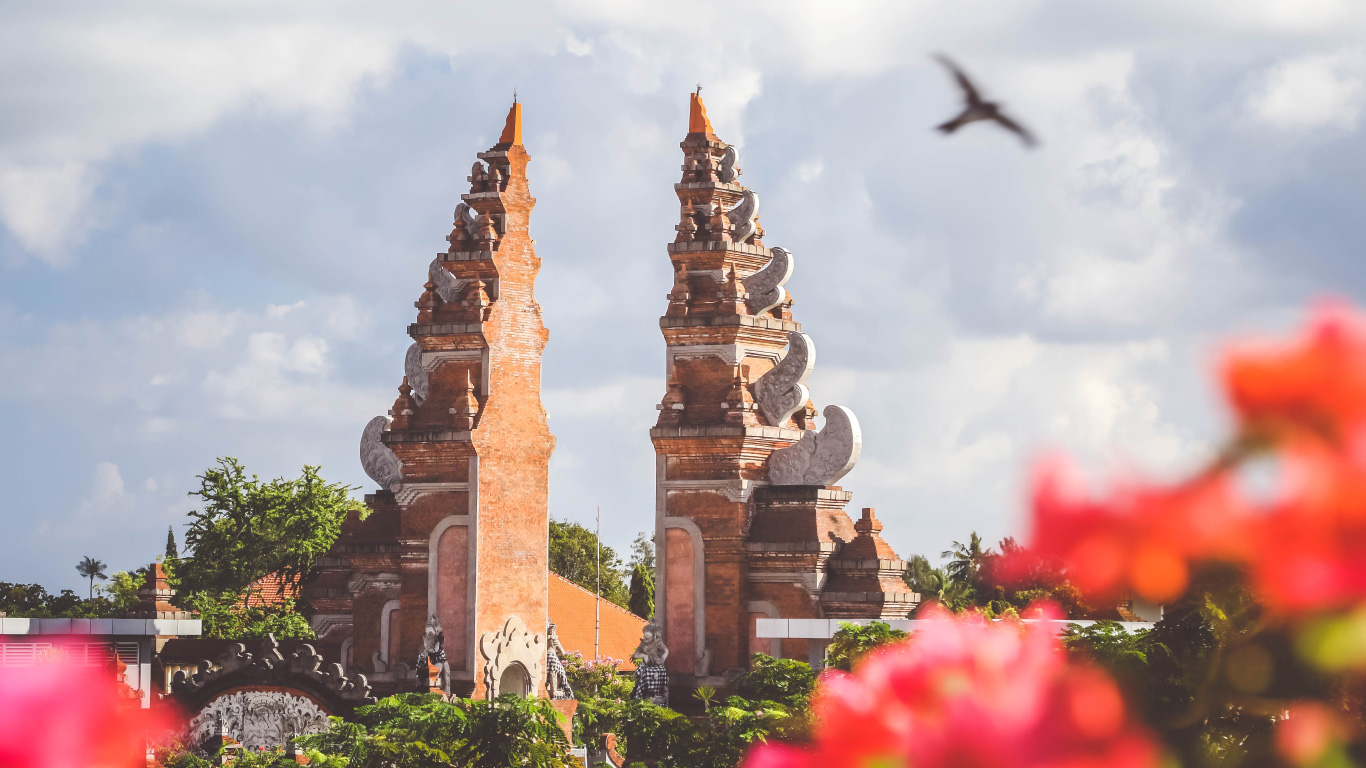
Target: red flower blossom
<point>964,692</point>
<point>1312,552</point>
<point>1141,539</point>
<point>1315,383</point>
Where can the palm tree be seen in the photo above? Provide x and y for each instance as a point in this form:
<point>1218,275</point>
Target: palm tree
<point>965,564</point>
<point>91,569</point>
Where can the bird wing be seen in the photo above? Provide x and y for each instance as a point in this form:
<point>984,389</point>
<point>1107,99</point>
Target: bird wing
<point>969,90</point>
<point>1024,134</point>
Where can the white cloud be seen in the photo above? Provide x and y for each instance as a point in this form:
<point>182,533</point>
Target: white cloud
<point>1313,91</point>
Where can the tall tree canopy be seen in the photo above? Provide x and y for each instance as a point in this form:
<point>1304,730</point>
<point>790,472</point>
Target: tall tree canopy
<point>92,569</point>
<point>248,529</point>
<point>573,555</point>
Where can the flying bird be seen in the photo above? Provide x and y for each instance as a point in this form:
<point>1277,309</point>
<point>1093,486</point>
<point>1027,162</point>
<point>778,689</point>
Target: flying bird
<point>978,108</point>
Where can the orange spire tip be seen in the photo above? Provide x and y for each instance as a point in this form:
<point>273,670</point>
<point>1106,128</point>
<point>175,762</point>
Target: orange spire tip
<point>697,116</point>
<point>512,131</point>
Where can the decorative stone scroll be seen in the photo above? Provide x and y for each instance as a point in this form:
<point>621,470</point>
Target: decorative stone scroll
<point>378,461</point>
<point>448,286</point>
<point>819,458</point>
<point>782,390</point>
<point>416,373</point>
<point>505,650</point>
<point>729,172</point>
<point>742,217</point>
<point>765,287</point>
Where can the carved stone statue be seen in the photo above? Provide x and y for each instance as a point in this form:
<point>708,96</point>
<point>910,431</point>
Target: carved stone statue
<point>557,679</point>
<point>434,653</point>
<point>448,286</point>
<point>378,461</point>
<point>729,172</point>
<point>652,679</point>
<point>819,458</point>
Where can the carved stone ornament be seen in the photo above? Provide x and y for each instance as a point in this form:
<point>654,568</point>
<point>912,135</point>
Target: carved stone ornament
<point>380,463</point>
<point>652,678</point>
<point>742,217</point>
<point>782,390</point>
<point>466,216</point>
<point>729,172</point>
<point>765,287</point>
<point>257,719</point>
<point>448,286</point>
<point>434,654</point>
<point>819,458</point>
<point>417,375</point>
<point>507,648</point>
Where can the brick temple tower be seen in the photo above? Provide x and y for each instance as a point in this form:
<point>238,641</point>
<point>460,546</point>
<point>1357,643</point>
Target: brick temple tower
<point>749,522</point>
<point>459,527</point>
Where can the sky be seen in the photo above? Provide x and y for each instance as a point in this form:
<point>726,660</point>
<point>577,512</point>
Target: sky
<point>215,218</point>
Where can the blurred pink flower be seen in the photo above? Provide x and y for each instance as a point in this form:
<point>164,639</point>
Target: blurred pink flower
<point>56,714</point>
<point>964,692</point>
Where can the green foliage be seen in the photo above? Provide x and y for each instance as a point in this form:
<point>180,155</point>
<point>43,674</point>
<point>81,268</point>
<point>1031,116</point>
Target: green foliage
<point>172,551</point>
<point>643,552</point>
<point>32,601</point>
<point>642,594</point>
<point>92,569</point>
<point>123,590</point>
<point>225,617</point>
<point>852,642</point>
<point>704,694</point>
<point>660,736</point>
<point>966,561</point>
<point>248,528</point>
<point>786,681</point>
<point>594,679</point>
<point>574,555</point>
<point>420,730</point>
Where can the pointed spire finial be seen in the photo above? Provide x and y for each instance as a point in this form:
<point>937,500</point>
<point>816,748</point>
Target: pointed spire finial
<point>697,114</point>
<point>512,130</point>
<point>514,94</point>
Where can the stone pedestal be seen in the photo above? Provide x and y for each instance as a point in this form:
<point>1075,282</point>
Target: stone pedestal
<point>566,708</point>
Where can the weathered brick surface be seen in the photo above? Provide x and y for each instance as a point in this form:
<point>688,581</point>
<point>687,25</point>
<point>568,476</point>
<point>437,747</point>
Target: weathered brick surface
<point>474,451</point>
<point>766,550</point>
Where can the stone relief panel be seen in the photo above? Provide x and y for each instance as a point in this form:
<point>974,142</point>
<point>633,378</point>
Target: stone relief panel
<point>819,458</point>
<point>782,390</point>
<point>418,381</point>
<point>765,287</point>
<point>257,719</point>
<point>378,461</point>
<point>511,644</point>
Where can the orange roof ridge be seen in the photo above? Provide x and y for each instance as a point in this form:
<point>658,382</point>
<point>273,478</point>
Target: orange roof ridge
<point>697,115</point>
<point>512,130</point>
<point>604,600</point>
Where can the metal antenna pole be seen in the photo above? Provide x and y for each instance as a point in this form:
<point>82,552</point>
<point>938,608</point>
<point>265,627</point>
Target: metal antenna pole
<point>597,603</point>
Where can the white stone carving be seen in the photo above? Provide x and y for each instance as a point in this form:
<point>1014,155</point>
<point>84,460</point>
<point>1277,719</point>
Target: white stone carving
<point>378,461</point>
<point>731,353</point>
<point>819,458</point>
<point>380,582</point>
<point>417,375</point>
<point>765,287</point>
<point>512,644</point>
<point>448,286</point>
<point>729,172</point>
<point>742,217</point>
<point>782,390</point>
<point>257,719</point>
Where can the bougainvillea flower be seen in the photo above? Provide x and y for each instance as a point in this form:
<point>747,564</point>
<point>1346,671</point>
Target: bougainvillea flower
<point>1311,553</point>
<point>57,714</point>
<point>966,692</point>
<point>1306,734</point>
<point>1139,539</point>
<point>1316,382</point>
